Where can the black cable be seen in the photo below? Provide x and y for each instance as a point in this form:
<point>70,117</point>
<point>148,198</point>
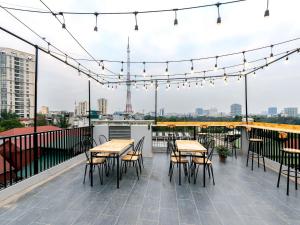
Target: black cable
<point>124,13</point>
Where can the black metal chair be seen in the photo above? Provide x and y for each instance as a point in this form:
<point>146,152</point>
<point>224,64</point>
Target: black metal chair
<point>176,160</point>
<point>100,162</point>
<point>132,159</point>
<point>206,161</point>
<point>291,156</point>
<point>139,151</point>
<point>255,148</point>
<point>102,139</point>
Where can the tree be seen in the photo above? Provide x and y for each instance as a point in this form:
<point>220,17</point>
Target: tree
<point>9,121</point>
<point>41,120</point>
<point>63,122</point>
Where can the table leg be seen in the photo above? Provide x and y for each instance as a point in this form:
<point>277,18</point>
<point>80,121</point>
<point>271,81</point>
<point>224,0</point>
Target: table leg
<point>91,169</point>
<point>179,168</point>
<point>118,172</point>
<point>204,165</point>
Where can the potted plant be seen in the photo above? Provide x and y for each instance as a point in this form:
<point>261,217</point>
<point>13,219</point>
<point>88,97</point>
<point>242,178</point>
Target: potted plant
<point>223,152</point>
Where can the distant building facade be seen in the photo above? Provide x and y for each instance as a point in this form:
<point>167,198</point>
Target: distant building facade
<point>162,112</point>
<point>236,110</point>
<point>17,70</point>
<point>290,112</point>
<point>44,110</point>
<point>102,106</point>
<point>199,111</point>
<point>272,111</point>
<point>82,109</point>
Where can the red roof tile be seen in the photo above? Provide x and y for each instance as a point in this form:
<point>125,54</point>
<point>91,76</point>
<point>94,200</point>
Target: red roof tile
<point>27,130</point>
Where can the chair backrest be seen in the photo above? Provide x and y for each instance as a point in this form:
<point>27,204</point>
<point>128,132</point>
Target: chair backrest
<point>102,139</point>
<point>87,143</point>
<point>210,149</point>
<point>139,146</point>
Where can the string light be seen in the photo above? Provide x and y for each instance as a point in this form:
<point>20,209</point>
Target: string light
<point>48,43</point>
<point>136,27</point>
<point>96,26</point>
<point>144,70</point>
<point>271,54</point>
<point>216,64</point>
<point>192,67</point>
<point>267,12</point>
<point>78,69</point>
<point>175,20</point>
<point>219,17</point>
<point>63,25</point>
<point>287,58</point>
<point>167,68</point>
<point>122,69</point>
<point>225,77</point>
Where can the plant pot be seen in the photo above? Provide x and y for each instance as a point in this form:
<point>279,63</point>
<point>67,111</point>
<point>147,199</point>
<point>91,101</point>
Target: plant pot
<point>222,158</point>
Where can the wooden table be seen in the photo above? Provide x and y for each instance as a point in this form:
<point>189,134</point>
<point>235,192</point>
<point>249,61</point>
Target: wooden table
<point>116,147</point>
<point>190,146</point>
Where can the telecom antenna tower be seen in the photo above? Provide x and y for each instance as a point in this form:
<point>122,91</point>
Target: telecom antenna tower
<point>128,109</point>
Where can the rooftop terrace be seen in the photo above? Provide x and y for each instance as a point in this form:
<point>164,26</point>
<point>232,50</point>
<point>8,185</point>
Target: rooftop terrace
<point>240,196</point>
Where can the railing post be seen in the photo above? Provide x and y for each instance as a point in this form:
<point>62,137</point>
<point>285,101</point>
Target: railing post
<point>35,138</point>
<point>246,98</point>
<point>156,101</point>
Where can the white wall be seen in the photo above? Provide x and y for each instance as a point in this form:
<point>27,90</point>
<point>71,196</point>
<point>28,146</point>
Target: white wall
<point>137,132</point>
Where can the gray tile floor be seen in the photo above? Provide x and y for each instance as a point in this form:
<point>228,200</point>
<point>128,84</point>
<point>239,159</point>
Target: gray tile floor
<point>240,196</point>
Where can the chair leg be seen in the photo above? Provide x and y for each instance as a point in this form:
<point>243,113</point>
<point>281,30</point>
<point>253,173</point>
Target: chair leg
<point>137,169</point>
<point>171,172</point>
<point>142,159</point>
<point>101,181</point>
<point>139,165</point>
<point>208,171</point>
<point>280,168</point>
<point>170,167</point>
<point>85,172</point>
<point>212,173</point>
<point>248,154</point>
<point>196,173</point>
<point>252,159</point>
<point>288,176</point>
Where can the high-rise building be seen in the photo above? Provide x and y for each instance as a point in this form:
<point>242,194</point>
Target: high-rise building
<point>290,112</point>
<point>102,106</point>
<point>82,109</point>
<point>199,111</point>
<point>213,112</point>
<point>162,112</point>
<point>235,110</point>
<point>272,111</point>
<point>44,110</point>
<point>17,72</point>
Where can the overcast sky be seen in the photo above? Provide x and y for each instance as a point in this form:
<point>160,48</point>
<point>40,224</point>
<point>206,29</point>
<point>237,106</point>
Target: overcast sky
<point>197,35</point>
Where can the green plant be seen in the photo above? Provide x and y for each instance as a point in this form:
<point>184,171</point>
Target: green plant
<point>223,151</point>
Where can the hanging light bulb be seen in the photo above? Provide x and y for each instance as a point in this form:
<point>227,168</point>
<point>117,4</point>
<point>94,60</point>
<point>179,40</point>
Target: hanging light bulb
<point>144,70</point>
<point>216,64</point>
<point>245,62</point>
<point>267,12</point>
<point>151,83</point>
<point>271,54</point>
<point>136,27</point>
<point>225,77</point>
<point>178,87</point>
<point>219,20</point>
<point>96,26</point>
<point>189,85</point>
<point>78,69</point>
<point>202,83</point>
<point>286,58</point>
<point>175,20</point>
<point>167,68</point>
<point>49,44</point>
<point>211,83</point>
<point>192,67</point>
<point>254,74</point>
<point>63,25</point>
<point>267,64</point>
<point>122,69</point>
<point>103,68</point>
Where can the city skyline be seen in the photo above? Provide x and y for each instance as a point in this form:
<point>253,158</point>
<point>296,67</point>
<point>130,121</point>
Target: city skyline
<point>178,42</point>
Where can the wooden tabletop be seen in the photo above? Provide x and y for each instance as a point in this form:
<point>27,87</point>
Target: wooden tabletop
<point>115,146</point>
<point>190,146</point>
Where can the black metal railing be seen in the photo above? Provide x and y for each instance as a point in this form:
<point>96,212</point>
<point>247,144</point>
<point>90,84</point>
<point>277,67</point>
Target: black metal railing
<point>274,141</point>
<point>229,136</point>
<point>17,156</point>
